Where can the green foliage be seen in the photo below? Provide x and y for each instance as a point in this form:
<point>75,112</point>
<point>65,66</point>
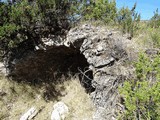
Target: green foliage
<point>18,20</point>
<point>29,21</point>
<point>142,96</point>
<point>155,37</point>
<point>106,11</point>
<point>7,30</point>
<point>128,20</point>
<point>23,13</point>
<point>6,33</point>
<point>155,20</point>
<point>103,10</point>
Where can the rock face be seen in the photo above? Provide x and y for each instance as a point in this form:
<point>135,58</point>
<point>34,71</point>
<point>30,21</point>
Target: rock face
<point>104,53</point>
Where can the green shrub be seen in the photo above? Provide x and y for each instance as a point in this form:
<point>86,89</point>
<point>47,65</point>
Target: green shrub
<point>155,37</point>
<point>128,20</point>
<point>30,20</point>
<point>142,95</point>
<point>155,20</point>
<point>101,10</point>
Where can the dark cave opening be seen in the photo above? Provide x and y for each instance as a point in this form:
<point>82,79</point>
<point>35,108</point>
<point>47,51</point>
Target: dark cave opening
<point>50,65</point>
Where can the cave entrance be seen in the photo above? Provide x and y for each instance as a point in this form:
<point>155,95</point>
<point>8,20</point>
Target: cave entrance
<point>52,64</point>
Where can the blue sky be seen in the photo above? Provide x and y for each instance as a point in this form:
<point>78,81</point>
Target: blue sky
<point>144,7</point>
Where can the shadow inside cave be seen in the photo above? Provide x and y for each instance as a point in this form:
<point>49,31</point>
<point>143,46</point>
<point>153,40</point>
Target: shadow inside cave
<point>50,66</point>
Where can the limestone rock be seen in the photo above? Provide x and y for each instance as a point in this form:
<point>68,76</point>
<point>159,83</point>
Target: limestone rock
<point>29,114</point>
<point>105,52</point>
<point>60,111</point>
<point>2,69</point>
<point>152,51</point>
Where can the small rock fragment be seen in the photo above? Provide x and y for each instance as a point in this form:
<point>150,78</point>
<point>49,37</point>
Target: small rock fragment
<point>59,112</point>
<point>29,113</point>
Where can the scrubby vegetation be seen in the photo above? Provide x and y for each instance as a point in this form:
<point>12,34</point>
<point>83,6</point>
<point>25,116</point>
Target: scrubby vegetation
<point>155,20</point>
<point>142,95</point>
<point>29,21</point>
<point>129,20</point>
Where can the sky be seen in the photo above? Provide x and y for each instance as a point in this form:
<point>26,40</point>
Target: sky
<point>144,7</point>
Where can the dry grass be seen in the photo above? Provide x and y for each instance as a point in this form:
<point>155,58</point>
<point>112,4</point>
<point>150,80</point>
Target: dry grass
<point>17,98</point>
<point>145,39</point>
<point>79,103</point>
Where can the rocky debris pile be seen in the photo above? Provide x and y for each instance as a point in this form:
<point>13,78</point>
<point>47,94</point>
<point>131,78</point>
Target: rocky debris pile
<point>102,51</point>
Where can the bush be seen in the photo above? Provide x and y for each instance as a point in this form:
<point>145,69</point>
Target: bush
<point>155,20</point>
<point>29,21</point>
<point>155,37</point>
<point>101,10</point>
<point>142,95</point>
<point>128,20</point>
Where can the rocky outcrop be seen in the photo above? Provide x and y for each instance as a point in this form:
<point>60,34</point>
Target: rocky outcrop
<point>103,52</point>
